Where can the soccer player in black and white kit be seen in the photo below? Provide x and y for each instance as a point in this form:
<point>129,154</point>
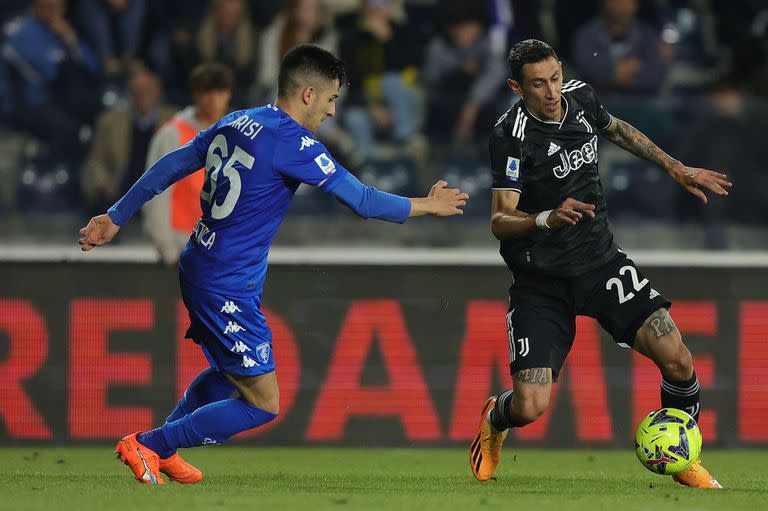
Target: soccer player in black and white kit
<point>550,216</point>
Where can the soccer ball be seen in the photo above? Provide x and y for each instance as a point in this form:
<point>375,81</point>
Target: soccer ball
<point>667,441</point>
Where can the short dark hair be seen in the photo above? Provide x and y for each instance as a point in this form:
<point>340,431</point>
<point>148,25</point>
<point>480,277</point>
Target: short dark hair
<point>305,62</point>
<point>211,76</point>
<point>529,51</point>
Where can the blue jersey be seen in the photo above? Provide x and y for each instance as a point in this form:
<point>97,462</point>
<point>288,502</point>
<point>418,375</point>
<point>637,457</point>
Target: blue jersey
<point>254,161</point>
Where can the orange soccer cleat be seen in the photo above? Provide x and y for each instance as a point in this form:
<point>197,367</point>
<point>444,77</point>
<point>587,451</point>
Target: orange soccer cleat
<point>485,451</point>
<point>696,476</point>
<point>143,462</point>
<point>179,470</point>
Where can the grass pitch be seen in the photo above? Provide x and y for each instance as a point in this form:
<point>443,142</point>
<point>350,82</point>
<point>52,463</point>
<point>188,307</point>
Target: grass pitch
<point>247,478</point>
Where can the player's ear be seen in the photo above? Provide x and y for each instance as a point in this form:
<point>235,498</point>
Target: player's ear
<point>515,86</point>
<point>308,94</point>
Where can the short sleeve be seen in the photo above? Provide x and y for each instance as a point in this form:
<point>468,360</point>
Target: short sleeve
<point>304,159</point>
<point>506,159</point>
<point>599,115</point>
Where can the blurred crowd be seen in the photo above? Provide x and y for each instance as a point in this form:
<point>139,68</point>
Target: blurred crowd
<point>94,91</point>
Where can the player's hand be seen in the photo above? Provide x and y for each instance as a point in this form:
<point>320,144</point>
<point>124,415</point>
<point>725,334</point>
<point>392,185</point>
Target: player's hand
<point>570,212</point>
<point>691,178</point>
<point>100,230</point>
<point>446,201</point>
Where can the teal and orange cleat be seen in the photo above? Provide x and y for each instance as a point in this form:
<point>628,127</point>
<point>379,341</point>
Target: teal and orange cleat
<point>696,476</point>
<point>485,451</point>
<point>179,470</point>
<point>143,462</point>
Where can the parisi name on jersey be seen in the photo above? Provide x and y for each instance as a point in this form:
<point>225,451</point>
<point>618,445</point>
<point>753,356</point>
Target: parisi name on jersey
<point>547,162</point>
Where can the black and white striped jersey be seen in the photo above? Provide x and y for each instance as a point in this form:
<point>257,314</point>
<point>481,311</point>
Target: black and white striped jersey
<point>547,162</point>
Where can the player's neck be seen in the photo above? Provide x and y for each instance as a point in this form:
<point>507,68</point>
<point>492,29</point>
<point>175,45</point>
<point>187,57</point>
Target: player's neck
<point>291,111</point>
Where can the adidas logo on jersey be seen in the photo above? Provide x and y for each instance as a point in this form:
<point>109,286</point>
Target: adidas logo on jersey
<point>248,361</point>
<point>230,308</point>
<point>307,142</point>
<point>240,347</point>
<point>233,328</point>
<point>553,148</point>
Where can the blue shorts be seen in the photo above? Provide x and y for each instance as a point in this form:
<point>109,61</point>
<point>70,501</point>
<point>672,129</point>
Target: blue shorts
<point>232,331</point>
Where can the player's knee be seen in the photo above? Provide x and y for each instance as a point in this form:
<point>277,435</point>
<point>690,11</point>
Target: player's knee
<point>679,366</point>
<point>269,404</point>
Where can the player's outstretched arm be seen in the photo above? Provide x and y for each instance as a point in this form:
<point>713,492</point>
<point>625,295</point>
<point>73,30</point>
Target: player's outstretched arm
<point>169,169</point>
<point>368,202</point>
<point>633,140</point>
<point>440,201</point>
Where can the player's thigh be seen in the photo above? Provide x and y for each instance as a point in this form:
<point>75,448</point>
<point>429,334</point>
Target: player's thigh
<point>540,326</point>
<point>660,340</point>
<point>261,391</point>
<point>236,341</point>
<point>620,297</point>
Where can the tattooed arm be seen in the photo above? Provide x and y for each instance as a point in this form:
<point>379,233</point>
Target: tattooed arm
<point>633,140</point>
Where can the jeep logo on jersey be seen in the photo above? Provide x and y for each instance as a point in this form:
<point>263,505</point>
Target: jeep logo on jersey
<point>307,142</point>
<point>326,164</point>
<point>573,160</point>
<point>513,168</point>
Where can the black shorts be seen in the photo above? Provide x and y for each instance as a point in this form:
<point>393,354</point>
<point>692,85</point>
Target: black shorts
<point>541,322</point>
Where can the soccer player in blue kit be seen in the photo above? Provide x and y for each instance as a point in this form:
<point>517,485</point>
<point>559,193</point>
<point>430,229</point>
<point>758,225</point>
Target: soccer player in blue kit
<point>254,161</point>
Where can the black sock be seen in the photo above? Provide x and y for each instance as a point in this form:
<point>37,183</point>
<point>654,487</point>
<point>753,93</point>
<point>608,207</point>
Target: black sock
<point>683,395</point>
<point>500,419</point>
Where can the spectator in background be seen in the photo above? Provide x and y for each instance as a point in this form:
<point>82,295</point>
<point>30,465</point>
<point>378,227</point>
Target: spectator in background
<point>49,69</point>
<point>616,52</point>
<point>121,142</point>
<point>300,22</point>
<point>115,28</point>
<point>723,133</point>
<point>382,69</point>
<point>226,36</point>
<point>463,75</point>
<point>170,217</point>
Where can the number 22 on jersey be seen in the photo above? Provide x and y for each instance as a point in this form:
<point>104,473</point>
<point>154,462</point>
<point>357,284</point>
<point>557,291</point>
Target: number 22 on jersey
<point>217,162</point>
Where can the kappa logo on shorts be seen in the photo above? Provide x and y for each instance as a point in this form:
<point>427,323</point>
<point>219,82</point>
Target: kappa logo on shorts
<point>230,308</point>
<point>233,328</point>
<point>262,351</point>
<point>248,361</point>
<point>240,347</point>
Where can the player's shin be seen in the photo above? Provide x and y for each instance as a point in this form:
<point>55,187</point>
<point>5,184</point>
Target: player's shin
<point>501,417</point>
<point>683,395</point>
<point>208,387</point>
<point>214,423</point>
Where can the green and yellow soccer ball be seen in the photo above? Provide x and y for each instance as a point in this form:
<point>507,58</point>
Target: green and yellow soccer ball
<point>667,441</point>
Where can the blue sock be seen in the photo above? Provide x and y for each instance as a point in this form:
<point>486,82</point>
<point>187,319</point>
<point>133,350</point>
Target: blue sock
<point>208,387</point>
<point>155,440</point>
<point>214,423</point>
